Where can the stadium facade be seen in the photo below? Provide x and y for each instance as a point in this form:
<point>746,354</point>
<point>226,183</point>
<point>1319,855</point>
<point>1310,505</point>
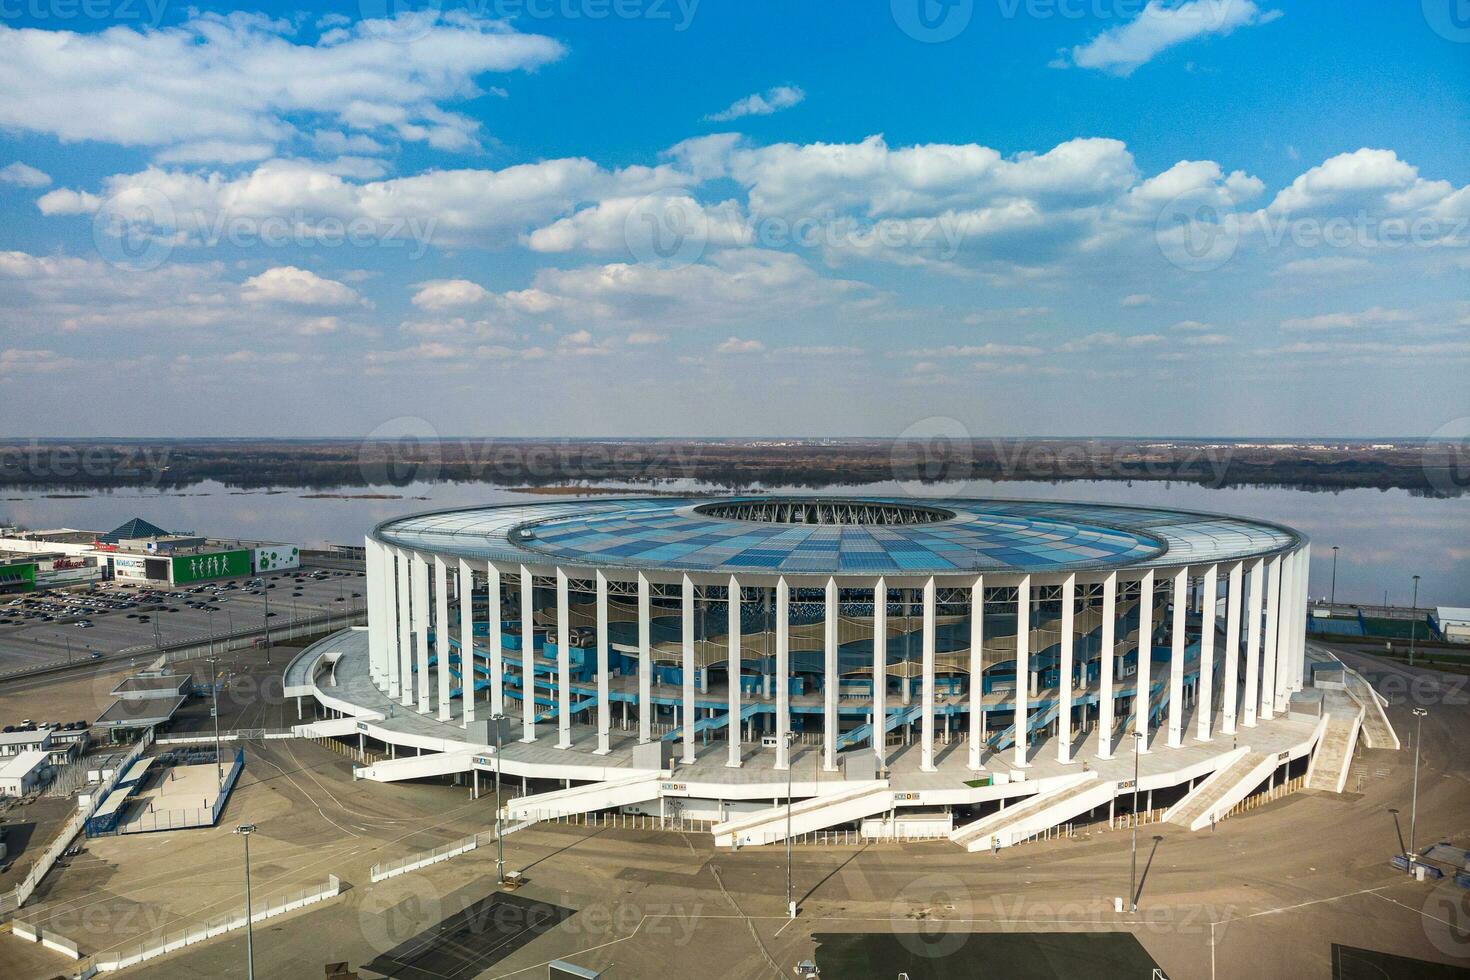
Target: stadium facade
<point>942,657</point>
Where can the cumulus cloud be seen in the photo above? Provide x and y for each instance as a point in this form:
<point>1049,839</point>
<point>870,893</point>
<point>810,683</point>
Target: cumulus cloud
<point>737,345</point>
<point>301,287</point>
<point>445,294</point>
<point>1159,26</point>
<point>231,87</point>
<point>20,174</point>
<point>765,103</point>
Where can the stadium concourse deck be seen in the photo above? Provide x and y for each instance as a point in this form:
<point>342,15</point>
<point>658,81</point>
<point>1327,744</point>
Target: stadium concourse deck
<point>335,673</point>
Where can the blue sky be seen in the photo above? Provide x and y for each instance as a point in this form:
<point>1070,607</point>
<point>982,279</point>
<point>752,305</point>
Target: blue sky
<point>648,217</point>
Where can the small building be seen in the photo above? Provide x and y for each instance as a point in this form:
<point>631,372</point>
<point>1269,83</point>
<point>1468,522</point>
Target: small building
<point>146,685</point>
<point>29,740</point>
<point>1454,623</point>
<point>23,773</point>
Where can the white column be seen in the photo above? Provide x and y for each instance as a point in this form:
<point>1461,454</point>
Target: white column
<point>977,671</point>
<point>497,653</point>
<point>421,627</point>
<point>405,630</point>
<point>1105,667</point>
<point>926,690</point>
<point>1303,595</point>
<point>604,709</point>
<point>528,656</point>
<point>1230,686</point>
<point>830,676</point>
<point>376,621</point>
<point>1205,703</point>
<point>645,662</point>
<point>1143,684</point>
<point>687,631</point>
<point>1064,679</point>
<point>466,642</point>
<point>1022,711</point>
<point>783,673</point>
<point>388,566</point>
<point>563,663</point>
<point>1269,653</point>
<point>880,672</point>
<point>1284,617</point>
<point>1176,658</point>
<point>1253,643</point>
<point>441,634</point>
<point>732,670</point>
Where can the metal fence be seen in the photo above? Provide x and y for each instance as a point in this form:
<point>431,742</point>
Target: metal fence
<point>423,859</point>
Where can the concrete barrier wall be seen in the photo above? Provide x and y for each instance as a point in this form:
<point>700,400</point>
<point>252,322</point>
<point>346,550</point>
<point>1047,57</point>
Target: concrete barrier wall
<point>141,953</point>
<point>382,872</point>
<point>25,930</point>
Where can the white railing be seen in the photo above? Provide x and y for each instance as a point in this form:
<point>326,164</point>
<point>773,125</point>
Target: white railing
<point>413,862</point>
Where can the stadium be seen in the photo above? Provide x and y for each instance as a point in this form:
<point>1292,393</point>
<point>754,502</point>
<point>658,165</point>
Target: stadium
<point>765,666</point>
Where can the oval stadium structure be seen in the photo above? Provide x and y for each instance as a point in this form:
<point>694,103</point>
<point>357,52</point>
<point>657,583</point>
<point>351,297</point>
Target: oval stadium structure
<point>978,669</point>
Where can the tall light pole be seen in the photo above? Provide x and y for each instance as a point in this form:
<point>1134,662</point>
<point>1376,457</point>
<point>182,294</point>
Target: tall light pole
<point>790,904</point>
<point>1332,597</point>
<point>1414,622</point>
<point>1419,713</point>
<point>245,830</point>
<point>499,834</point>
<point>1133,860</point>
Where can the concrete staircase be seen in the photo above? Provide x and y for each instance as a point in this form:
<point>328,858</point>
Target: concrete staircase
<point>1080,793</point>
<point>1333,758</point>
<point>1242,771</point>
<point>769,825</point>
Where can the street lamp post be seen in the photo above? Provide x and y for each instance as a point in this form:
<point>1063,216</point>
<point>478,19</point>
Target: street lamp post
<point>1332,596</point>
<point>1133,860</point>
<point>245,830</point>
<point>499,834</point>
<point>790,904</point>
<point>1414,621</point>
<point>1419,713</point>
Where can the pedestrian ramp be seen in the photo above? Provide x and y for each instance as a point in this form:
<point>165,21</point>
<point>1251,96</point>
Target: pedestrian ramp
<point>1062,802</point>
<point>585,798</point>
<point>1036,720</point>
<point>416,766</point>
<point>1377,732</point>
<point>770,825</point>
<point>712,723</point>
<point>1240,772</point>
<point>1333,757</point>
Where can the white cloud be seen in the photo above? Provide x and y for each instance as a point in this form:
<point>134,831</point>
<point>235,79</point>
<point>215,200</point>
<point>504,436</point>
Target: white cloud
<point>760,104</point>
<point>1136,299</point>
<point>1375,316</point>
<point>1193,326</point>
<point>300,287</point>
<point>735,345</point>
<point>644,338</point>
<point>23,175</point>
<point>445,294</point>
<point>1162,25</point>
<point>230,85</point>
<point>1363,176</point>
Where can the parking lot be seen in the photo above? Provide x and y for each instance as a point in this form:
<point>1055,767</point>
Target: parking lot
<point>69,626</point>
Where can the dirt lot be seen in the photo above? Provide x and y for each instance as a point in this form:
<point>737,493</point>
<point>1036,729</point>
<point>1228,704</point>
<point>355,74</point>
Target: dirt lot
<point>1287,890</point>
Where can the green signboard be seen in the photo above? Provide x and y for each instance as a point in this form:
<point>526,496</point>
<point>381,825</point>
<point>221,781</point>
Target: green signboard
<point>19,576</point>
<point>197,568</point>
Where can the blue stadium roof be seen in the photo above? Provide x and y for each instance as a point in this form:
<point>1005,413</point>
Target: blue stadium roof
<point>856,536</point>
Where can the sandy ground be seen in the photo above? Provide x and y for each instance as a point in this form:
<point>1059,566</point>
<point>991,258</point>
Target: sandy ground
<point>1266,894</point>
